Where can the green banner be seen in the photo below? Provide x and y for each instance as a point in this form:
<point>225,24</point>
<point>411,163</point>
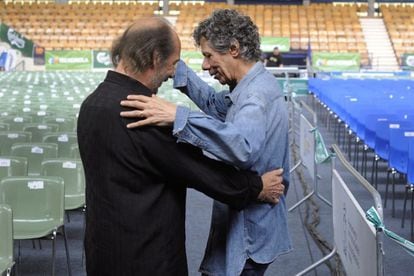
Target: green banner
<point>327,62</point>
<point>408,62</point>
<point>295,85</point>
<point>69,60</point>
<point>193,59</point>
<point>267,43</point>
<point>102,59</point>
<point>16,40</point>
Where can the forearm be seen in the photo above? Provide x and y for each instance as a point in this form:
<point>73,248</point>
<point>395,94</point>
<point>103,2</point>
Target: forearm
<point>186,164</point>
<point>200,92</point>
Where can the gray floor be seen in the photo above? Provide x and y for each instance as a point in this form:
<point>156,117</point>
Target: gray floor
<point>35,261</point>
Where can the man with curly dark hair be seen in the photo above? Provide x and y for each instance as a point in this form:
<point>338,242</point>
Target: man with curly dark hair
<point>246,126</point>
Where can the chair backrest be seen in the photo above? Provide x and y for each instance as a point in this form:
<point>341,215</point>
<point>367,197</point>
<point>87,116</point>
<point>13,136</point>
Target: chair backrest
<point>382,135</point>
<point>410,166</point>
<point>38,130</point>
<point>40,115</point>
<point>16,122</point>
<point>37,204</point>
<point>8,138</point>
<point>66,123</point>
<point>71,170</point>
<point>398,153</point>
<point>64,140</point>
<point>4,127</point>
<point>35,154</point>
<point>6,238</point>
<point>13,166</point>
<point>74,151</point>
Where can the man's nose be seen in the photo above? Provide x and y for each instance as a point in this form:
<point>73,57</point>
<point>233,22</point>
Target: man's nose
<point>205,65</point>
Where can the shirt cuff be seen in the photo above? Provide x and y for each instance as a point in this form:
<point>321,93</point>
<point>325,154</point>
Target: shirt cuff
<point>180,77</point>
<point>181,118</point>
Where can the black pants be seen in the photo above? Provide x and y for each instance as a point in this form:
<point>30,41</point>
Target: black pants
<point>251,268</point>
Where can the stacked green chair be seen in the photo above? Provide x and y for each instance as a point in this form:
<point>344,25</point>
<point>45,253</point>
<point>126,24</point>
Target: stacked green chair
<point>71,170</point>
<point>35,154</point>
<point>8,138</point>
<point>38,209</point>
<point>64,140</point>
<point>38,130</point>
<point>6,239</point>
<point>13,166</point>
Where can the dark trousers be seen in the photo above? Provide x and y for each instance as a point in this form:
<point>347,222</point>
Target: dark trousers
<point>251,268</point>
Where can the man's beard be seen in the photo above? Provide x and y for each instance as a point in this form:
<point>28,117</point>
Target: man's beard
<point>157,81</point>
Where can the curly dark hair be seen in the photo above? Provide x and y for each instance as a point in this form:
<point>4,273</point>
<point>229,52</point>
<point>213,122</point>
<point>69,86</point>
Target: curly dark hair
<point>225,28</point>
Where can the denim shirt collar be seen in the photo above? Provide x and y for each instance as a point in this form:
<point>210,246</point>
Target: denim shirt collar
<point>253,72</point>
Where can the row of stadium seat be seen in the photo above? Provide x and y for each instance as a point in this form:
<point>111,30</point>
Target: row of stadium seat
<point>325,26</point>
<point>379,115</point>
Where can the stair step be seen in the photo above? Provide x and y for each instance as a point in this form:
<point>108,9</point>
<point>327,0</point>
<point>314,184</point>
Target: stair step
<point>378,44</point>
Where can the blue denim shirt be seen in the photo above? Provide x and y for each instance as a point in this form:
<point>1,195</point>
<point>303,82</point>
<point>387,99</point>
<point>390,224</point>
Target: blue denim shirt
<point>248,128</point>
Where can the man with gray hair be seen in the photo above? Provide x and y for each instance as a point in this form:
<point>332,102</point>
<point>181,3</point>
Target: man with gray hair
<point>136,179</point>
<point>246,126</point>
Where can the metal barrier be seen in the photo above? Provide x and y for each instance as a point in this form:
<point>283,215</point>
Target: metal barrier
<point>356,241</point>
<point>307,148</point>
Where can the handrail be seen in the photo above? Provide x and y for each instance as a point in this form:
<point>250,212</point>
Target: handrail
<point>375,195</point>
<point>16,68</point>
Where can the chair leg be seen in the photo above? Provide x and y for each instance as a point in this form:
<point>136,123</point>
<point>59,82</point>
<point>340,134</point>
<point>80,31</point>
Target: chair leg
<point>393,193</point>
<point>67,251</point>
<point>84,229</point>
<point>19,256</point>
<point>412,213</point>
<point>407,189</point>
<point>386,188</point>
<point>53,252</point>
<point>373,170</point>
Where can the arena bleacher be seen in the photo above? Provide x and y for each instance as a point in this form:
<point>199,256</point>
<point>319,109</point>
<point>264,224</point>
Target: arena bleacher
<point>353,85</point>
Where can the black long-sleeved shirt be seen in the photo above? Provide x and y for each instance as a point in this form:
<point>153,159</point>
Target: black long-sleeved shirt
<point>136,183</point>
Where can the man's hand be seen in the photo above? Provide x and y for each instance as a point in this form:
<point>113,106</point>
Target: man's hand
<point>272,186</point>
<point>155,110</point>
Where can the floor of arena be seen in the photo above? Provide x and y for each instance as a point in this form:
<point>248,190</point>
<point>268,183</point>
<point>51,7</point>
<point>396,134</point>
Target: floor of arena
<point>314,213</point>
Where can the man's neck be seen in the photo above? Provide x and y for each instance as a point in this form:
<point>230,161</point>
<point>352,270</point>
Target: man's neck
<point>242,70</point>
<point>141,77</point>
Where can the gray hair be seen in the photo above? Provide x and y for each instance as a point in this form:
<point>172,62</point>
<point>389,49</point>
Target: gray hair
<point>141,43</point>
<point>225,28</point>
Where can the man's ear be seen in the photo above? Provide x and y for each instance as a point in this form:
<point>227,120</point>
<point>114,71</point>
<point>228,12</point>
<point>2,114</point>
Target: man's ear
<point>156,59</point>
<point>234,48</point>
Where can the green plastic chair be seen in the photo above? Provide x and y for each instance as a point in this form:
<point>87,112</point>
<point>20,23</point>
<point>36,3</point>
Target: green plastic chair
<point>39,116</point>
<point>38,130</point>
<point>13,166</point>
<point>38,209</point>
<point>74,151</point>
<point>66,123</point>
<point>8,138</point>
<point>64,140</point>
<point>35,154</point>
<point>4,126</point>
<point>16,123</point>
<point>71,170</point>
<point>6,239</point>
